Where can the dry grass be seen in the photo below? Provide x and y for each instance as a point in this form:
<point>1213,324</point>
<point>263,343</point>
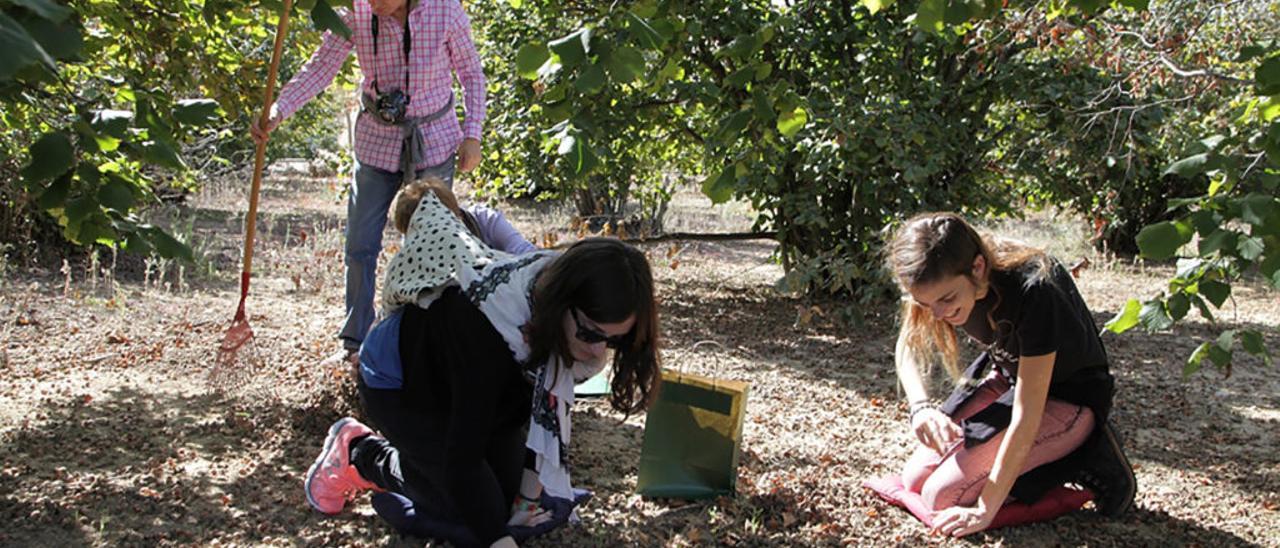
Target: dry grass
<point>111,438</point>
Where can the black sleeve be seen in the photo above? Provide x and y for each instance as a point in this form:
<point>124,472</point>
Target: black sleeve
<point>1042,318</point>
<point>471,361</point>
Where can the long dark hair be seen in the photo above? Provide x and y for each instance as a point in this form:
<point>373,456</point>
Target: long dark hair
<point>608,281</point>
<point>932,246</point>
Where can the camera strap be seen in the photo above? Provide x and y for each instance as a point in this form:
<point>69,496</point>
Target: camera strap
<point>408,44</point>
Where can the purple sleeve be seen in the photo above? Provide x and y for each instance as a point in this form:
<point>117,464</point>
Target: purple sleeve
<point>497,233</point>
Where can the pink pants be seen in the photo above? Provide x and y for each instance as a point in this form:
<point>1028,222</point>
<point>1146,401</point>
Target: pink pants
<point>956,477</point>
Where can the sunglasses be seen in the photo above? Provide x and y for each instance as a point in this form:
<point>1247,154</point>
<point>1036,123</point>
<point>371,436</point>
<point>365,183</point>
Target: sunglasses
<point>591,336</point>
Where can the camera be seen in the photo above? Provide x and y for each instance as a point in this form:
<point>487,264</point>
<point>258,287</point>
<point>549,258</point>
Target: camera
<point>392,106</point>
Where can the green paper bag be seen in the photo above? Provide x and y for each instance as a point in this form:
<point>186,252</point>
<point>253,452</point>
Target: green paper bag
<point>595,386</point>
<point>692,438</point>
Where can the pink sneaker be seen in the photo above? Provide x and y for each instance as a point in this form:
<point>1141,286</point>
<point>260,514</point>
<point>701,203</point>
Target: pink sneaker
<point>332,480</point>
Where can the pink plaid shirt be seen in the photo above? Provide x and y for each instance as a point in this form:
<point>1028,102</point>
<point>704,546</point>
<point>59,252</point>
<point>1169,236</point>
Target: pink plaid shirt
<point>441,43</point>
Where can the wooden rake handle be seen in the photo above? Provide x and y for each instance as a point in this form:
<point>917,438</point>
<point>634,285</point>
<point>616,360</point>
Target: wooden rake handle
<point>260,152</point>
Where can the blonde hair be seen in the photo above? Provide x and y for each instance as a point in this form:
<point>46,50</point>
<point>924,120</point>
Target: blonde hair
<point>930,247</point>
<point>407,200</point>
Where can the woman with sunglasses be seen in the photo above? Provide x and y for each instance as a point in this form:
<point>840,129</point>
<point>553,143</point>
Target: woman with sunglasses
<point>490,347</point>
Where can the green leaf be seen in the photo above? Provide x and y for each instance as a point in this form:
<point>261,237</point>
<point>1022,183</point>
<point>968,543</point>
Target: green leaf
<point>739,78</point>
<point>576,152</point>
<point>167,246</point>
<point>929,15</point>
<point>45,8</point>
<point>1192,165</point>
<point>741,48</point>
<point>719,186</point>
<point>1249,52</point>
<point>1217,292</point>
<point>791,122</point>
<point>1179,305</point>
<point>1250,248</point>
<point>1188,267</point>
<point>572,49</point>
<point>1270,109</point>
<point>530,58</point>
<point>51,155</point>
<point>116,194</point>
<point>874,6</point>
<point>1154,317</point>
<point>21,49</point>
<point>732,125</point>
<point>960,11</point>
<point>325,19</point>
<point>1252,343</point>
<point>80,208</point>
<point>96,229</point>
<point>1217,241</point>
<point>646,35</point>
<point>591,81</point>
<point>1178,203</point>
<point>1196,360</point>
<point>1203,308</point>
<point>60,40</point>
<point>1126,319</point>
<point>1212,142</point>
<point>645,8</point>
<point>163,154</point>
<point>763,70</point>
<point>1270,269</point>
<point>625,64</point>
<point>112,122</point>
<point>1205,222</point>
<point>1161,240</point>
<point>1256,208</point>
<point>198,112</point>
<point>136,243</point>
<point>762,106</point>
<point>1226,339</point>
<point>1267,77</point>
<point>1221,358</point>
<point>55,195</point>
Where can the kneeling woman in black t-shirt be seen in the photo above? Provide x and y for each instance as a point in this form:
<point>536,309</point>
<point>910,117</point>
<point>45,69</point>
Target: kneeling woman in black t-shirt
<point>1039,418</point>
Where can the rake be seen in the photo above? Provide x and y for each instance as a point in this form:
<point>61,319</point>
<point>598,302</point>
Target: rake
<point>241,333</point>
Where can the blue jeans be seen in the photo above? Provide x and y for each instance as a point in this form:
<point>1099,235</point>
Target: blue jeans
<point>371,193</point>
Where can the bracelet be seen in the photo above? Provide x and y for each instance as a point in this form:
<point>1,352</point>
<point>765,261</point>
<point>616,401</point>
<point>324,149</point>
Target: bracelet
<point>524,504</point>
<point>918,407</point>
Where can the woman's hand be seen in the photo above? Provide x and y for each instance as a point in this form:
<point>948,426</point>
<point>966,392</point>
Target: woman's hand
<point>960,520</point>
<point>528,513</point>
<point>935,430</point>
<point>260,133</point>
<point>468,155</point>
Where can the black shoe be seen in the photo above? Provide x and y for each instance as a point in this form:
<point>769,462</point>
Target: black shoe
<point>1109,475</point>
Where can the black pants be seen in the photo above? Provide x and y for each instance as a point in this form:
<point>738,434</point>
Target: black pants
<point>453,358</point>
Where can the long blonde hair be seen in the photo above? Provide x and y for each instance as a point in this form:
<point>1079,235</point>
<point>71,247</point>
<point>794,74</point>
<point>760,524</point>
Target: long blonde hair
<point>933,246</point>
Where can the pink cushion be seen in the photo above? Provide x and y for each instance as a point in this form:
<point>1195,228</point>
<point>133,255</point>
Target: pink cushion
<point>1058,501</point>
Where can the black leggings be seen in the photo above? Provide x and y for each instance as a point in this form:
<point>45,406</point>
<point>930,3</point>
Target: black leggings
<point>395,461</point>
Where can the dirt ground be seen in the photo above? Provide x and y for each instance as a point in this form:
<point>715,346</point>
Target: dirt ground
<point>111,436</point>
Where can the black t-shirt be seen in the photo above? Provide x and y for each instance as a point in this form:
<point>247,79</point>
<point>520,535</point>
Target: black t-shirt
<point>1033,316</point>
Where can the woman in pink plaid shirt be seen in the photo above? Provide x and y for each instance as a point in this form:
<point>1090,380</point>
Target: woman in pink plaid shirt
<point>407,127</point>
